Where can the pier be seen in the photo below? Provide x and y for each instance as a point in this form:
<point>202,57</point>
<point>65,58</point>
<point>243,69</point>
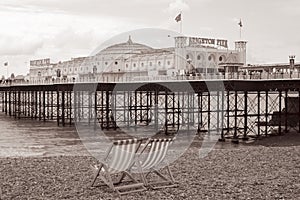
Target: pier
<point>237,109</point>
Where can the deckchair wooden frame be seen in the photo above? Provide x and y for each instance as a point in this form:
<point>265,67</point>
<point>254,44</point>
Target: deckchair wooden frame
<point>155,151</point>
<point>120,164</point>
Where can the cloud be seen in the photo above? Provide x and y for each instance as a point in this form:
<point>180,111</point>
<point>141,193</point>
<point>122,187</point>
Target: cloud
<point>70,38</point>
<point>12,45</point>
<point>177,6</point>
<point>134,9</point>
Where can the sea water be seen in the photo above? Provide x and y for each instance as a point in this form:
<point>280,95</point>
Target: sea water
<point>27,137</point>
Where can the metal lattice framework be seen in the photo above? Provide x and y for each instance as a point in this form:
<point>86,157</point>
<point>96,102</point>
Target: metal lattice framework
<point>242,109</point>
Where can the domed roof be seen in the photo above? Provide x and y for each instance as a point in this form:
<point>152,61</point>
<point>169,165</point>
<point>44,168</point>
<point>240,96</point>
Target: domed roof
<point>126,47</point>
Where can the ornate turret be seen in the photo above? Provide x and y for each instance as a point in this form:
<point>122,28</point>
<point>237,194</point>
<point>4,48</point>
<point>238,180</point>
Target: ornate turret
<point>180,53</point>
<point>241,47</point>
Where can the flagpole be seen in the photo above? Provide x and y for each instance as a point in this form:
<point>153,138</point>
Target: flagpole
<point>240,33</point>
<point>181,22</point>
<point>240,25</point>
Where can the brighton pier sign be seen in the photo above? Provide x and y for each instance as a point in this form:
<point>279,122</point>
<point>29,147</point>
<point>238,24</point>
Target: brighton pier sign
<point>193,41</point>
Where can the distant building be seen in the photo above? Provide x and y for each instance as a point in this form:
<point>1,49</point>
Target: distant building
<point>19,79</point>
<point>41,69</point>
<point>290,67</point>
<point>130,60</point>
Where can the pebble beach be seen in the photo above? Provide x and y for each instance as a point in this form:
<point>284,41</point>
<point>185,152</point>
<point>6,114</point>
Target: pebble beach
<point>265,169</point>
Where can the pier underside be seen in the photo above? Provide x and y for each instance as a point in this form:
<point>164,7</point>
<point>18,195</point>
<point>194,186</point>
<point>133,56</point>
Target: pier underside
<point>233,109</point>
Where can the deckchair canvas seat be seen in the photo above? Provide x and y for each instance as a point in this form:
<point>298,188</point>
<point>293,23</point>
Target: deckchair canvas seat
<point>151,157</point>
<point>118,160</point>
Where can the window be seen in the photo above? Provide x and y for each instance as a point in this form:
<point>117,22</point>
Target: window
<point>75,69</point>
<point>200,70</point>
<point>95,69</point>
<point>105,63</point>
<point>134,65</point>
<point>209,58</point>
<point>187,56</point>
<point>158,63</point>
<point>126,65</point>
<point>58,73</point>
<point>116,63</point>
<point>210,70</point>
<point>168,62</point>
<point>142,64</point>
<point>220,58</point>
<point>198,57</point>
<point>150,64</point>
<point>162,72</point>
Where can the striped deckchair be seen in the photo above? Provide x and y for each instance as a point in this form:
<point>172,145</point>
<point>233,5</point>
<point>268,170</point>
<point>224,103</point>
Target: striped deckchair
<point>118,160</point>
<point>150,158</point>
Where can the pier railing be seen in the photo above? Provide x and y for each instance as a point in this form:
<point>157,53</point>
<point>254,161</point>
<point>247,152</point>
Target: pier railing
<point>219,76</point>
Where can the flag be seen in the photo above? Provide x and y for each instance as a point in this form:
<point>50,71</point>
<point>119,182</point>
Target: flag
<point>6,64</point>
<point>178,17</point>
<point>240,23</point>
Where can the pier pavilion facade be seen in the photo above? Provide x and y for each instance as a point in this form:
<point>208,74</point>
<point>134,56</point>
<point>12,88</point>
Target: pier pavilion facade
<point>134,61</point>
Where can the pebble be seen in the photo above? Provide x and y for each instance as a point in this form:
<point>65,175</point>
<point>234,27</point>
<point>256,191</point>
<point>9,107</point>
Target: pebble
<point>257,172</point>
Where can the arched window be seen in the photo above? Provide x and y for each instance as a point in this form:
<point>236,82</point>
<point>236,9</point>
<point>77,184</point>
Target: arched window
<point>212,58</point>
<point>198,57</point>
<point>58,73</point>
<point>189,57</point>
<point>222,58</point>
<point>95,69</point>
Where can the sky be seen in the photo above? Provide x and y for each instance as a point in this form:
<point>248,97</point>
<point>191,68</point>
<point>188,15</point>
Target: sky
<point>61,30</point>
